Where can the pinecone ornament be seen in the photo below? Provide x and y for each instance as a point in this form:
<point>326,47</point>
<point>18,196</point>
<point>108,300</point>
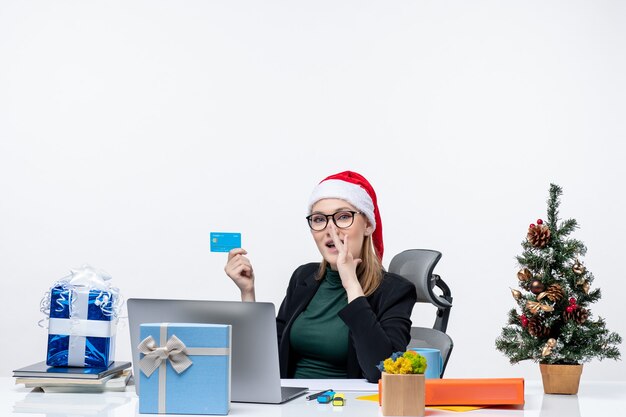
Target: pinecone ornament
<point>538,235</point>
<point>579,315</point>
<point>537,328</point>
<point>554,293</point>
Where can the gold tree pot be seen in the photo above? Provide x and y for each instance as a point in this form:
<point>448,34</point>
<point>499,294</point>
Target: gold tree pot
<point>560,379</point>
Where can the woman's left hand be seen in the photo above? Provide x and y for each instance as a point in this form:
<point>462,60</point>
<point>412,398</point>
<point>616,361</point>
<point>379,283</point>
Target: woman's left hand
<point>346,265</point>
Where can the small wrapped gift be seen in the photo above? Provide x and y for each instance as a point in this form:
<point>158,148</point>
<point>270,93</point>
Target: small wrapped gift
<point>83,310</point>
<point>185,368</point>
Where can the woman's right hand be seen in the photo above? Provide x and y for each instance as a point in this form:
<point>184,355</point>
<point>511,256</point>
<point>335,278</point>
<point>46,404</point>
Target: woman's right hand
<point>239,269</point>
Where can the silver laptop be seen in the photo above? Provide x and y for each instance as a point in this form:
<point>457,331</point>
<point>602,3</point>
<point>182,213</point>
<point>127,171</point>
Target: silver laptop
<point>255,376</point>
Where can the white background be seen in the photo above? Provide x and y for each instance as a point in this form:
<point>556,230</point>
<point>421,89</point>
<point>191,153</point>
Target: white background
<point>129,130</point>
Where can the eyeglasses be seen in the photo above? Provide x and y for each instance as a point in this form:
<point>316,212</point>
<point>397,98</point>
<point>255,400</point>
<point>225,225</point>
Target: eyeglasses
<point>342,219</point>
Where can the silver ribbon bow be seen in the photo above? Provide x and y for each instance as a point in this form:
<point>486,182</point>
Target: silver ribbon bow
<point>174,350</point>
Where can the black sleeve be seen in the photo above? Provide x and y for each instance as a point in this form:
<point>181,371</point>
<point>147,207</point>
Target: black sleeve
<point>285,310</point>
<point>381,323</point>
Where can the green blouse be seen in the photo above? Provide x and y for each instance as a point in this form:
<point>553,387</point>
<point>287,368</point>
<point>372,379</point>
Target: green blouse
<point>318,336</point>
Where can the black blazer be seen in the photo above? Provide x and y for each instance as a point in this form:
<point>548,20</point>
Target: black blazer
<point>379,324</point>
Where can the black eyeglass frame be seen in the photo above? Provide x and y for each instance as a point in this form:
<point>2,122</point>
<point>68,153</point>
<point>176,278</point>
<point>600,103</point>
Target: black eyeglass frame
<point>309,219</point>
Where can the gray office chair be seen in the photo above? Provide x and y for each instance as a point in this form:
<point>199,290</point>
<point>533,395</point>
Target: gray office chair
<point>417,266</point>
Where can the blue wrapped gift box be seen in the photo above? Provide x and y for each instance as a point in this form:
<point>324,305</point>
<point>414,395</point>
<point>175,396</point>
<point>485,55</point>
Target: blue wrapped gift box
<point>194,378</point>
<point>80,331</point>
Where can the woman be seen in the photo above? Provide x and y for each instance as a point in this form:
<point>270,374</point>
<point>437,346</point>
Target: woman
<point>342,316</point>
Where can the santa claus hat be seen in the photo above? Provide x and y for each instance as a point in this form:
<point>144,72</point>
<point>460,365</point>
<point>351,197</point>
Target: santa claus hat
<point>356,190</point>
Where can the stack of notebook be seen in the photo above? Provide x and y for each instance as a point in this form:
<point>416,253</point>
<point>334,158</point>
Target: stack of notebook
<point>73,379</point>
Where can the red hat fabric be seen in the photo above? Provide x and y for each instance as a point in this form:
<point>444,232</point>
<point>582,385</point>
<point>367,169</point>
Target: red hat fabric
<point>356,190</point>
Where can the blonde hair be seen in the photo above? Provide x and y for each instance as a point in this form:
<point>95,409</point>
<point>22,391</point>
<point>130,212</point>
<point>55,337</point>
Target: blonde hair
<point>369,271</point>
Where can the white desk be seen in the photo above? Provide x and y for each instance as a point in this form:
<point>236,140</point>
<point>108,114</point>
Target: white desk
<point>594,399</point>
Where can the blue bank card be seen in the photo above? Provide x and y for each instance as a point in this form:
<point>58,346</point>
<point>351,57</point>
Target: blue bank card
<point>224,241</point>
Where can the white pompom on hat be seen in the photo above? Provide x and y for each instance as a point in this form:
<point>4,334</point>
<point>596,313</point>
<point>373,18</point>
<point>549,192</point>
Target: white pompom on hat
<point>356,190</point>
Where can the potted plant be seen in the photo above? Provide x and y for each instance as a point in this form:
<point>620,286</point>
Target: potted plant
<point>552,323</point>
<point>403,384</point>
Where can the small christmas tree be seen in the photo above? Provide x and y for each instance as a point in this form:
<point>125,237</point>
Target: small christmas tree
<point>553,323</point>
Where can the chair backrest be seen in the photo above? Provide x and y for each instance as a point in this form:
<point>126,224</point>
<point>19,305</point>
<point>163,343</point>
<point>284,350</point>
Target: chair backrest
<point>417,266</point>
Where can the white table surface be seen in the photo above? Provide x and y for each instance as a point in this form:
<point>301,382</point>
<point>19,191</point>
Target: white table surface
<point>593,399</point>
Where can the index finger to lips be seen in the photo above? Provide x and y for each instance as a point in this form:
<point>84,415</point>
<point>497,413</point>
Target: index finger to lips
<point>345,242</point>
<point>335,236</point>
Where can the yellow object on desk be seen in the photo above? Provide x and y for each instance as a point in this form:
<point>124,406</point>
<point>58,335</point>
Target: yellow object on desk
<point>373,397</point>
<point>339,400</point>
<point>458,408</point>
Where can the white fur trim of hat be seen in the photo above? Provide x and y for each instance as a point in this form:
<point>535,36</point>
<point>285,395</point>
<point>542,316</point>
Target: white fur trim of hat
<point>352,193</point>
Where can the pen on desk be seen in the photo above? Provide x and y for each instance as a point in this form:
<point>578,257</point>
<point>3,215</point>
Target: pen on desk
<point>317,394</point>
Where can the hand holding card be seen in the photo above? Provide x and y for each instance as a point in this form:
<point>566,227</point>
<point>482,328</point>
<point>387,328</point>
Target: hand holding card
<point>239,269</point>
